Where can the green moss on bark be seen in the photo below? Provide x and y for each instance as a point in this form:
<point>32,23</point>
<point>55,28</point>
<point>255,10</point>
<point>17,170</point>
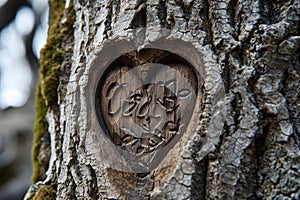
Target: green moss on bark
<point>52,56</point>
<point>39,129</point>
<point>45,192</point>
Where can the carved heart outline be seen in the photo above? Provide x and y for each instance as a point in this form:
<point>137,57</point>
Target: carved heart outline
<point>131,139</point>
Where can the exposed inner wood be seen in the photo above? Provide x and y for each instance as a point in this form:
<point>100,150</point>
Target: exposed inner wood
<point>142,105</point>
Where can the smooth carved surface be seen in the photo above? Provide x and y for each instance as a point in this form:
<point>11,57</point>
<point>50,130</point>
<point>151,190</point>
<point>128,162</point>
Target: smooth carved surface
<point>143,106</point>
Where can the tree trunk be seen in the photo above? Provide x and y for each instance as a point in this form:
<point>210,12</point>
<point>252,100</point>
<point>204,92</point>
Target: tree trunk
<point>230,129</point>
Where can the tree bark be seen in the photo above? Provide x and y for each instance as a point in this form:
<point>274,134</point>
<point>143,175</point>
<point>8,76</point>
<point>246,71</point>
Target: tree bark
<point>242,141</point>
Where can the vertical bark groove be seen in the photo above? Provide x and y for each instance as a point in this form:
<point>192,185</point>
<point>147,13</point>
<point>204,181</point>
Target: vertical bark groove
<point>108,20</point>
<point>206,22</point>
<point>139,19</point>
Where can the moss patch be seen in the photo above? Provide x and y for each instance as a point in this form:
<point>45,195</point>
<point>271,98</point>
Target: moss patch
<point>45,192</point>
<point>39,129</point>
<point>52,56</point>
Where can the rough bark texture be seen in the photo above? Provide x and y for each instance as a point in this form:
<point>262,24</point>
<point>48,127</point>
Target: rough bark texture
<point>250,46</point>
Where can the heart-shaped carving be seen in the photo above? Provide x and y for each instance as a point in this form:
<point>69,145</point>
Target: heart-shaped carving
<point>146,107</point>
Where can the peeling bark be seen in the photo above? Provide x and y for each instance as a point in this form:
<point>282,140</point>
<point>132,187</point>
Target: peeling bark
<point>249,49</point>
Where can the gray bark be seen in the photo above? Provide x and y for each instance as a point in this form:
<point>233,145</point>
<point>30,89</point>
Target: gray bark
<point>240,145</point>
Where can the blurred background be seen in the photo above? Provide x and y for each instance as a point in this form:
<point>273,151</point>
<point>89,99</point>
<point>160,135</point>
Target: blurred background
<point>23,32</point>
